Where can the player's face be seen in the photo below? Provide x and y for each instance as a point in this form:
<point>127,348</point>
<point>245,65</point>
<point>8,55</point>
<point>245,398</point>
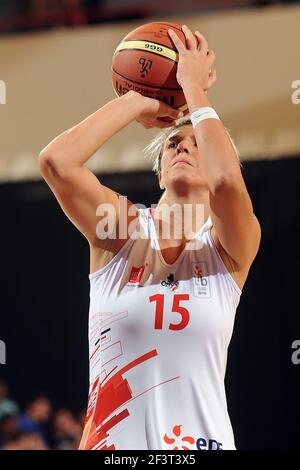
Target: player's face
<point>181,161</point>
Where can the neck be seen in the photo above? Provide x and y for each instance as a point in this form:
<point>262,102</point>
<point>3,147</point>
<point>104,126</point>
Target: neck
<point>184,212</point>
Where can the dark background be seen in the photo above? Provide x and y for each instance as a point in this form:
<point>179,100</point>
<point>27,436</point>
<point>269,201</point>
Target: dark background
<point>45,300</point>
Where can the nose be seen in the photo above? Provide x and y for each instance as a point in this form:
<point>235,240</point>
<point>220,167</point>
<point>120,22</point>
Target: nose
<point>182,146</point>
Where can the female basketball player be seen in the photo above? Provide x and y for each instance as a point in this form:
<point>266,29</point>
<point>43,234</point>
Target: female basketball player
<point>161,308</point>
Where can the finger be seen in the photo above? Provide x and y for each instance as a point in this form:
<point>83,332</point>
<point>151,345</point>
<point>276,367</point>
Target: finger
<point>211,56</point>
<point>202,43</point>
<point>212,77</point>
<point>202,40</point>
<point>167,111</point>
<point>165,119</point>
<point>171,119</point>
<point>177,42</point>
<point>176,114</point>
<point>190,38</point>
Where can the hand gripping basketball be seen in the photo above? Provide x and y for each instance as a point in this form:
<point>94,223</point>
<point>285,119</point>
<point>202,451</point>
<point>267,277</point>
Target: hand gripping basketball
<point>155,113</point>
<point>146,60</point>
<point>195,61</point>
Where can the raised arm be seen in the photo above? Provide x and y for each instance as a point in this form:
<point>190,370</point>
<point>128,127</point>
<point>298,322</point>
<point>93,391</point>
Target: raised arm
<point>234,223</point>
<point>62,161</point>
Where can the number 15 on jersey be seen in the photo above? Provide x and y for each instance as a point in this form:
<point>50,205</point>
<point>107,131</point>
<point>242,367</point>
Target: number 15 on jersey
<point>176,308</point>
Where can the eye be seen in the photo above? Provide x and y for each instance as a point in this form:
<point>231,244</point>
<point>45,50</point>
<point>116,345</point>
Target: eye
<point>172,143</point>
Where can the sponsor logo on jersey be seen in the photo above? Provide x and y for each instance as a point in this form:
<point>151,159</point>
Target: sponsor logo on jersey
<point>136,274</point>
<point>178,442</point>
<point>171,282</point>
<point>201,283</point>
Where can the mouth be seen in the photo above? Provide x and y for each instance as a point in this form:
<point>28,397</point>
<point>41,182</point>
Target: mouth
<point>182,162</point>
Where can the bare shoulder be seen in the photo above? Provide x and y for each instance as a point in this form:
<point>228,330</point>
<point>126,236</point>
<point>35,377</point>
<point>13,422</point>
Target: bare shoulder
<point>101,254</point>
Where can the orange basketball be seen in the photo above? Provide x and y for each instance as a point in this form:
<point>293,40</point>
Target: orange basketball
<point>146,61</point>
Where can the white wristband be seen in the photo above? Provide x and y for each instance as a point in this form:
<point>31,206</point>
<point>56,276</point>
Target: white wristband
<point>203,113</point>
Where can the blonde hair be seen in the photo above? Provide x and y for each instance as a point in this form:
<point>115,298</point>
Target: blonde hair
<point>154,150</point>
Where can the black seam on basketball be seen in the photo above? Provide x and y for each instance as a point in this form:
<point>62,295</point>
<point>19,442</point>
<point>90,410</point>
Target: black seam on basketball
<point>152,52</point>
<point>145,84</point>
<point>169,26</point>
<point>152,42</point>
<point>165,24</point>
<point>155,53</point>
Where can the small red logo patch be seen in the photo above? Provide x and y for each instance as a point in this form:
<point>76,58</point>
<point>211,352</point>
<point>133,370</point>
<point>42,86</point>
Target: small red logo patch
<point>136,274</point>
<point>198,272</point>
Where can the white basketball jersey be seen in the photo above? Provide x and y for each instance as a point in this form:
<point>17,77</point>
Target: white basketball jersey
<point>158,337</point>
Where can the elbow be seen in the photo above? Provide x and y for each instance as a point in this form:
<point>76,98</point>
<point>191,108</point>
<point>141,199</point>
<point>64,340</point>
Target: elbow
<point>45,162</point>
<point>53,157</point>
<point>48,164</point>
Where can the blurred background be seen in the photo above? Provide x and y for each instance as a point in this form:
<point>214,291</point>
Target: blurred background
<point>55,58</point>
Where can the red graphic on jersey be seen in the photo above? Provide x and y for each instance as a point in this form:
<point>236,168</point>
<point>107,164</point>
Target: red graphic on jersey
<point>136,274</point>
<point>104,399</point>
<point>177,433</point>
<point>198,272</point>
